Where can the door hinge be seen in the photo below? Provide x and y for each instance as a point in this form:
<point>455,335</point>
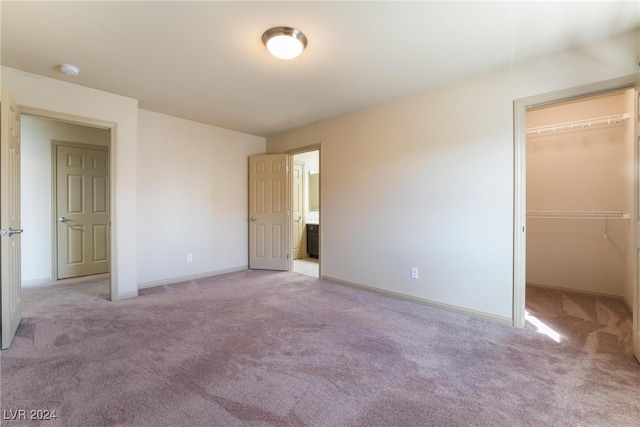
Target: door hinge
<point>288,256</point>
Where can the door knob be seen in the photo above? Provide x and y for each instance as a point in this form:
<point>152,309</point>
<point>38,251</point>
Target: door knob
<point>63,219</point>
<point>10,231</point>
<point>253,218</point>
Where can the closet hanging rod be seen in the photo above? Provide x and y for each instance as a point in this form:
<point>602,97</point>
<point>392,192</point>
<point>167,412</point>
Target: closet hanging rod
<point>579,214</point>
<point>579,124</point>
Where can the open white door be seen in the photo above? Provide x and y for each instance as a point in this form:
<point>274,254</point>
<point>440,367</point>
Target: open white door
<point>10,280</point>
<point>268,215</point>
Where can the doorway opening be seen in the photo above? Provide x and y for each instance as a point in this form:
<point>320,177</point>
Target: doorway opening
<point>521,198</point>
<point>305,211</point>
<point>65,202</point>
<point>580,196</point>
<point>580,185</point>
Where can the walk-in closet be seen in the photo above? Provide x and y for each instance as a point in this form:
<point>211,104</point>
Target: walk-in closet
<point>580,195</point>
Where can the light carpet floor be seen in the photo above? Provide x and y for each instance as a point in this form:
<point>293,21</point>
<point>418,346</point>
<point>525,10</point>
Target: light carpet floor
<point>261,348</point>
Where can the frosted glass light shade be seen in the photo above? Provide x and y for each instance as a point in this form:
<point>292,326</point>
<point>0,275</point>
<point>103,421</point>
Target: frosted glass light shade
<point>284,42</point>
<point>284,47</point>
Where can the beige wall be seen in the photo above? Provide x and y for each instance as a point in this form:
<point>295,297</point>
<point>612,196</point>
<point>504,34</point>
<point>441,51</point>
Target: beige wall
<point>192,198</point>
<point>427,181</point>
<point>36,173</point>
<point>586,169</point>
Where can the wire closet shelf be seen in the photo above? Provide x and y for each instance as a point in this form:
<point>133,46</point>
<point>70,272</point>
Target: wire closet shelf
<point>593,214</point>
<point>578,124</point>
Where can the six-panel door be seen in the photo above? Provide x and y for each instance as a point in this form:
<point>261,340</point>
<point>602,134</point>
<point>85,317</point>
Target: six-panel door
<point>82,211</point>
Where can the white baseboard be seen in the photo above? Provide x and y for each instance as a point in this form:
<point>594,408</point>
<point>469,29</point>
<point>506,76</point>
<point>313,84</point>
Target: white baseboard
<point>128,295</point>
<point>190,277</point>
<point>36,282</point>
<point>582,291</point>
<point>452,308</point>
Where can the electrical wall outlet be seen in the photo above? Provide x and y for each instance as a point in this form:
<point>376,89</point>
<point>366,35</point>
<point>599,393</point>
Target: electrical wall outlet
<point>414,273</point>
<point>189,257</point>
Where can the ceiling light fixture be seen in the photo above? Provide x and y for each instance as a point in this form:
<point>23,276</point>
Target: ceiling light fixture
<point>284,42</point>
<point>70,70</point>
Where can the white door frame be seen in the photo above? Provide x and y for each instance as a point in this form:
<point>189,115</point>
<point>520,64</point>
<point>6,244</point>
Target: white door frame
<point>291,153</point>
<point>520,173</point>
<point>111,127</point>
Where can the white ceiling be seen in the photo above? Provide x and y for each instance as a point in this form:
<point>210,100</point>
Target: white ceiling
<point>205,61</point>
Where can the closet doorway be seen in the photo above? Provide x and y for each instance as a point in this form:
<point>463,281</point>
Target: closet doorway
<point>580,195</point>
<point>305,211</point>
<point>520,107</point>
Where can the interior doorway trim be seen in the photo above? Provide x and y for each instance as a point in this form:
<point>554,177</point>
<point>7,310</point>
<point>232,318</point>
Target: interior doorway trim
<point>291,153</point>
<point>111,127</point>
<point>520,164</point>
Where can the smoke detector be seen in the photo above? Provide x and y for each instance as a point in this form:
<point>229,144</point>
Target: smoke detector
<point>70,70</point>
